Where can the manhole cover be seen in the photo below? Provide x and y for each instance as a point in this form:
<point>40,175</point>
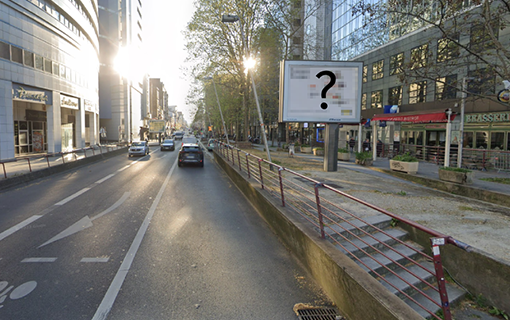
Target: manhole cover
<point>319,314</point>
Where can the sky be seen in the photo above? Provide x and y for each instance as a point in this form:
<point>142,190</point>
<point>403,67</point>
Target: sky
<point>163,24</point>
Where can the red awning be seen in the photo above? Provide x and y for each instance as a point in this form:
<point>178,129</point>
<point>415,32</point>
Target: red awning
<point>415,118</point>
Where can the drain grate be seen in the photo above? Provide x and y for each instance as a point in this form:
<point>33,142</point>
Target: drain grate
<point>319,314</point>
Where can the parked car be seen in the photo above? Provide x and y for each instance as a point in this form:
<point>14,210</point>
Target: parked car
<point>138,148</point>
<point>210,145</point>
<point>191,153</point>
<point>168,144</point>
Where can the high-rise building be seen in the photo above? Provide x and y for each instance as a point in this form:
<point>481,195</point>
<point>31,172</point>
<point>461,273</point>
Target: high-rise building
<point>121,75</point>
<point>48,76</point>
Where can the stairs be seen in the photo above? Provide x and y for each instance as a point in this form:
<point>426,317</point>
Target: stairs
<point>362,249</point>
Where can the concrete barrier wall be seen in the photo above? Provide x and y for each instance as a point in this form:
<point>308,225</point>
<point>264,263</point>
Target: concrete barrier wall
<point>357,295</point>
<point>475,270</point>
<point>27,177</point>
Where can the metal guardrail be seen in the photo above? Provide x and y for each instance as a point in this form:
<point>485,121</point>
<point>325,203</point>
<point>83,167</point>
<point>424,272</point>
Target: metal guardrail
<point>336,223</point>
<point>75,155</point>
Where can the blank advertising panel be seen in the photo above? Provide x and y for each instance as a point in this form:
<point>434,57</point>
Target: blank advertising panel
<point>320,91</point>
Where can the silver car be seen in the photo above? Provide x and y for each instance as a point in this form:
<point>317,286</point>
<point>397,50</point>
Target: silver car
<point>138,148</point>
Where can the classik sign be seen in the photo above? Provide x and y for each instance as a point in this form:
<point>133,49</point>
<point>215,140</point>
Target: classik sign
<point>320,91</point>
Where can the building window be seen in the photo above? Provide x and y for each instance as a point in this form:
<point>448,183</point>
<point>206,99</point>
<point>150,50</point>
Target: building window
<point>364,101</point>
<point>377,70</point>
<point>419,57</point>
<point>16,54</point>
<point>395,96</point>
<point>28,58</point>
<point>365,74</point>
<point>56,69</point>
<point>482,83</point>
<point>417,92</point>
<point>396,63</point>
<point>47,65</point>
<point>5,50</point>
<point>447,49</point>
<point>376,99</point>
<point>39,64</point>
<point>446,87</point>
<point>480,38</point>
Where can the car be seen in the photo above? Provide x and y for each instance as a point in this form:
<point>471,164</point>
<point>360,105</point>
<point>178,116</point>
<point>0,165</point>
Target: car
<point>190,153</point>
<point>178,135</point>
<point>168,144</point>
<point>210,145</point>
<point>138,148</point>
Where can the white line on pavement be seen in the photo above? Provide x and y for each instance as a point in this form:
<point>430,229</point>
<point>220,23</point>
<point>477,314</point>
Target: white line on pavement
<point>17,227</point>
<point>105,178</point>
<point>71,197</point>
<point>32,260</point>
<point>110,296</point>
<point>95,259</point>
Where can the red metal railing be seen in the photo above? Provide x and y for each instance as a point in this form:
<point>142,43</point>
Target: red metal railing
<point>337,224</point>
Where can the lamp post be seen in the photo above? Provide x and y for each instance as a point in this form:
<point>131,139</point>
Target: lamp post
<point>231,19</point>
<point>219,106</point>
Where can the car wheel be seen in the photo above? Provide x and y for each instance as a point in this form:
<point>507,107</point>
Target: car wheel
<point>202,165</point>
<point>178,164</point>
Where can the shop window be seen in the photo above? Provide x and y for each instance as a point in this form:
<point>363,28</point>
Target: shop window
<point>468,140</point>
<point>419,138</point>
<point>16,54</point>
<point>417,92</point>
<point>419,57</point>
<point>508,142</point>
<point>5,50</point>
<point>403,137</point>
<point>28,58</point>
<point>396,63</point>
<point>364,101</point>
<point>395,96</point>
<point>39,62</point>
<point>482,140</point>
<point>377,70</point>
<point>497,140</point>
<point>376,99</point>
<point>446,87</point>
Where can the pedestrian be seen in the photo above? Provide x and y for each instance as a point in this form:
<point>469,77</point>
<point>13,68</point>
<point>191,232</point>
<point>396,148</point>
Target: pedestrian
<point>352,143</point>
<point>379,147</point>
<point>366,145</point>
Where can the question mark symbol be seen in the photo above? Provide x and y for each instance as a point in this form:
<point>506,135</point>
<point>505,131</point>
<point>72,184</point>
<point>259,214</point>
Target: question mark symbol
<point>330,84</point>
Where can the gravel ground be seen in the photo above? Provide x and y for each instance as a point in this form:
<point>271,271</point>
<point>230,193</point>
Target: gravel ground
<point>479,224</point>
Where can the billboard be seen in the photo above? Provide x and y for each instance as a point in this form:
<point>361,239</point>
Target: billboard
<point>157,126</point>
<point>320,91</point>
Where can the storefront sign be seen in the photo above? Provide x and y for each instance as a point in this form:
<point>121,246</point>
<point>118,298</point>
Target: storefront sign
<point>90,106</point>
<point>504,96</point>
<point>34,115</point>
<point>29,94</point>
<point>488,117</point>
<point>69,102</point>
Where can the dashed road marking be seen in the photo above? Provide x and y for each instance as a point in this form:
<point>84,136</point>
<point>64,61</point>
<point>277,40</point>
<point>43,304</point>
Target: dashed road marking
<point>71,197</point>
<point>36,260</point>
<point>100,259</point>
<point>19,226</point>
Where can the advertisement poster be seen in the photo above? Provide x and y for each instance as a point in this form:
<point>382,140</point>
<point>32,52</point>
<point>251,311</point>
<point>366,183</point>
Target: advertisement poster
<point>37,141</point>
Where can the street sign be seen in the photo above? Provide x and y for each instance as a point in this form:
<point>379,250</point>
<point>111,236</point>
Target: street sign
<point>320,91</point>
<point>157,126</point>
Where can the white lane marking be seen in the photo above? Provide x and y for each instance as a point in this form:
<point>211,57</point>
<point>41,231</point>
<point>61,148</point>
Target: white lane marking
<point>124,168</point>
<point>104,179</point>
<point>19,226</point>
<point>95,259</point>
<point>71,197</point>
<point>110,296</point>
<point>23,290</point>
<point>31,260</point>
<point>86,222</point>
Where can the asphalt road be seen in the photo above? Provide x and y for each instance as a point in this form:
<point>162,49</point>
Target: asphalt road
<point>140,238</point>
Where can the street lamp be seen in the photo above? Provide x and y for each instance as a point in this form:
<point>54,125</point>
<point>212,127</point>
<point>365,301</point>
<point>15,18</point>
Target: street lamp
<point>249,62</point>
<point>219,106</point>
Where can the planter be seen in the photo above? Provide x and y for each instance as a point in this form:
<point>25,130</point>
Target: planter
<point>344,156</point>
<point>306,149</point>
<point>456,177</point>
<point>402,166</point>
<point>366,162</point>
<point>318,152</point>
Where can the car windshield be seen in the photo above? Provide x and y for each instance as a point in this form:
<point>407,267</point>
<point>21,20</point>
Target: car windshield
<point>168,141</point>
<point>138,144</point>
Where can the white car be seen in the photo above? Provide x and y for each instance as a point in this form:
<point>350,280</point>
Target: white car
<point>138,148</point>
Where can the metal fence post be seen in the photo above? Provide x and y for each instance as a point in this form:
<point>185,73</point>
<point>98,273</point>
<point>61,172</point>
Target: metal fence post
<point>281,185</point>
<point>248,166</point>
<point>233,158</point>
<point>260,171</point>
<point>239,160</point>
<point>445,304</point>
<point>319,210</point>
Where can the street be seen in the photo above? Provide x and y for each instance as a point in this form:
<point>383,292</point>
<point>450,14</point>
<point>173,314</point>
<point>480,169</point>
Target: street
<point>140,238</point>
